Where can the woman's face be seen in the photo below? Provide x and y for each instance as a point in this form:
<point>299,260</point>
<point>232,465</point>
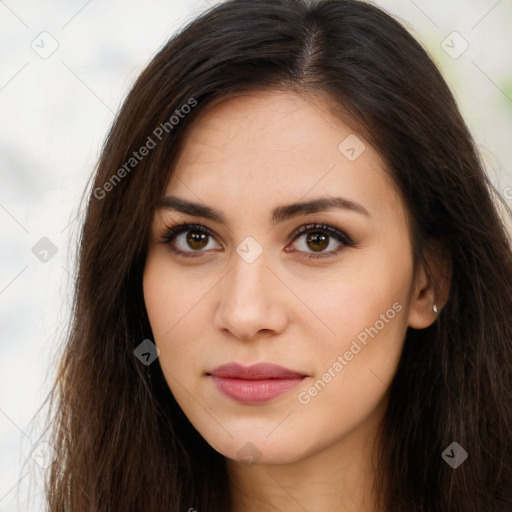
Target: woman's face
<point>251,290</point>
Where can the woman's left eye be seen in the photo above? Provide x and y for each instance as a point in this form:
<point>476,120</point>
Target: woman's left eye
<point>317,237</point>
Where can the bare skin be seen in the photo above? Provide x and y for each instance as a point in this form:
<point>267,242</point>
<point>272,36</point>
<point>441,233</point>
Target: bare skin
<point>309,450</point>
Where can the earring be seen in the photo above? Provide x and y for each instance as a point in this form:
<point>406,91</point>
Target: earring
<point>434,308</point>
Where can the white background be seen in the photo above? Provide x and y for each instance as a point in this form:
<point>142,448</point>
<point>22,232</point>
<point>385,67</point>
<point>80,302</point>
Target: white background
<point>54,116</point>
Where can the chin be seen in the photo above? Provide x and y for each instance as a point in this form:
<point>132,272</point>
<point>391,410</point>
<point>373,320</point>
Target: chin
<point>252,449</point>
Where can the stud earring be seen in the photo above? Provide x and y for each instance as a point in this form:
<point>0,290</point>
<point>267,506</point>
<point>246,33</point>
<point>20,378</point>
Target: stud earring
<point>434,308</point>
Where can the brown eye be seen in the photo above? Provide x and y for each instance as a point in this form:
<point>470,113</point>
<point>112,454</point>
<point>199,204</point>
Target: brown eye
<point>317,241</point>
<point>197,241</point>
<point>188,239</point>
<point>319,237</point>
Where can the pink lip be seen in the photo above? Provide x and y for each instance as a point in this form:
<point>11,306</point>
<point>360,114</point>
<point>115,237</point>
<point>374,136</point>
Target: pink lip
<point>254,384</point>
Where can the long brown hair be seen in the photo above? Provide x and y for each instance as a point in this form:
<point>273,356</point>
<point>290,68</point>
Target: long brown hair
<point>122,442</point>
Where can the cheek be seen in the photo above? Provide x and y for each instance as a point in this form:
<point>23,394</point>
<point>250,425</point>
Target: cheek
<point>355,366</point>
<point>365,310</point>
<point>175,300</point>
<point>171,294</point>
<point>366,293</point>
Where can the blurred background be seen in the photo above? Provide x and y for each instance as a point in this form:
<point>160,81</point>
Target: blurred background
<point>65,67</point>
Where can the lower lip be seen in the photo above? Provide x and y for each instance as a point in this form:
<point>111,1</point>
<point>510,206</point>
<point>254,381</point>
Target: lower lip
<point>254,391</point>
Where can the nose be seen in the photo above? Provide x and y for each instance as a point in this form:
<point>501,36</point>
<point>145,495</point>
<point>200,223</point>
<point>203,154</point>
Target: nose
<point>252,299</point>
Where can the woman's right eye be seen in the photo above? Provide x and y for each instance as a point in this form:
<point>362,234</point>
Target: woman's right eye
<point>183,237</point>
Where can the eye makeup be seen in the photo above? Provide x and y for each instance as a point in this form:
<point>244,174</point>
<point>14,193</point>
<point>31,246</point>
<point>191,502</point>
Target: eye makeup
<point>314,233</point>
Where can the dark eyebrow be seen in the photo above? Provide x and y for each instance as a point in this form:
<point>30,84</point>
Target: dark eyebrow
<point>279,214</point>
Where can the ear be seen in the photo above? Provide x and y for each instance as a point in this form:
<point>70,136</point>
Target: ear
<point>431,287</point>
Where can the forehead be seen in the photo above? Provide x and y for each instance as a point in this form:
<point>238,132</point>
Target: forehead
<point>262,148</point>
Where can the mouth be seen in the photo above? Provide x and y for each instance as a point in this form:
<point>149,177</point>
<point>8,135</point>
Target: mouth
<point>255,384</point>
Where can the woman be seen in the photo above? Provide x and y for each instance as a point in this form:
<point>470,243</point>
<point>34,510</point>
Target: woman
<point>294,288</point>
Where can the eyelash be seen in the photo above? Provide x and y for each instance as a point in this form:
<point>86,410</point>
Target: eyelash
<point>170,232</point>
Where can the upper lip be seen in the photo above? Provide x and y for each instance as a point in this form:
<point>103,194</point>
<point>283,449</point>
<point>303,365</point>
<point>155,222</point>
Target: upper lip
<point>255,372</point>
